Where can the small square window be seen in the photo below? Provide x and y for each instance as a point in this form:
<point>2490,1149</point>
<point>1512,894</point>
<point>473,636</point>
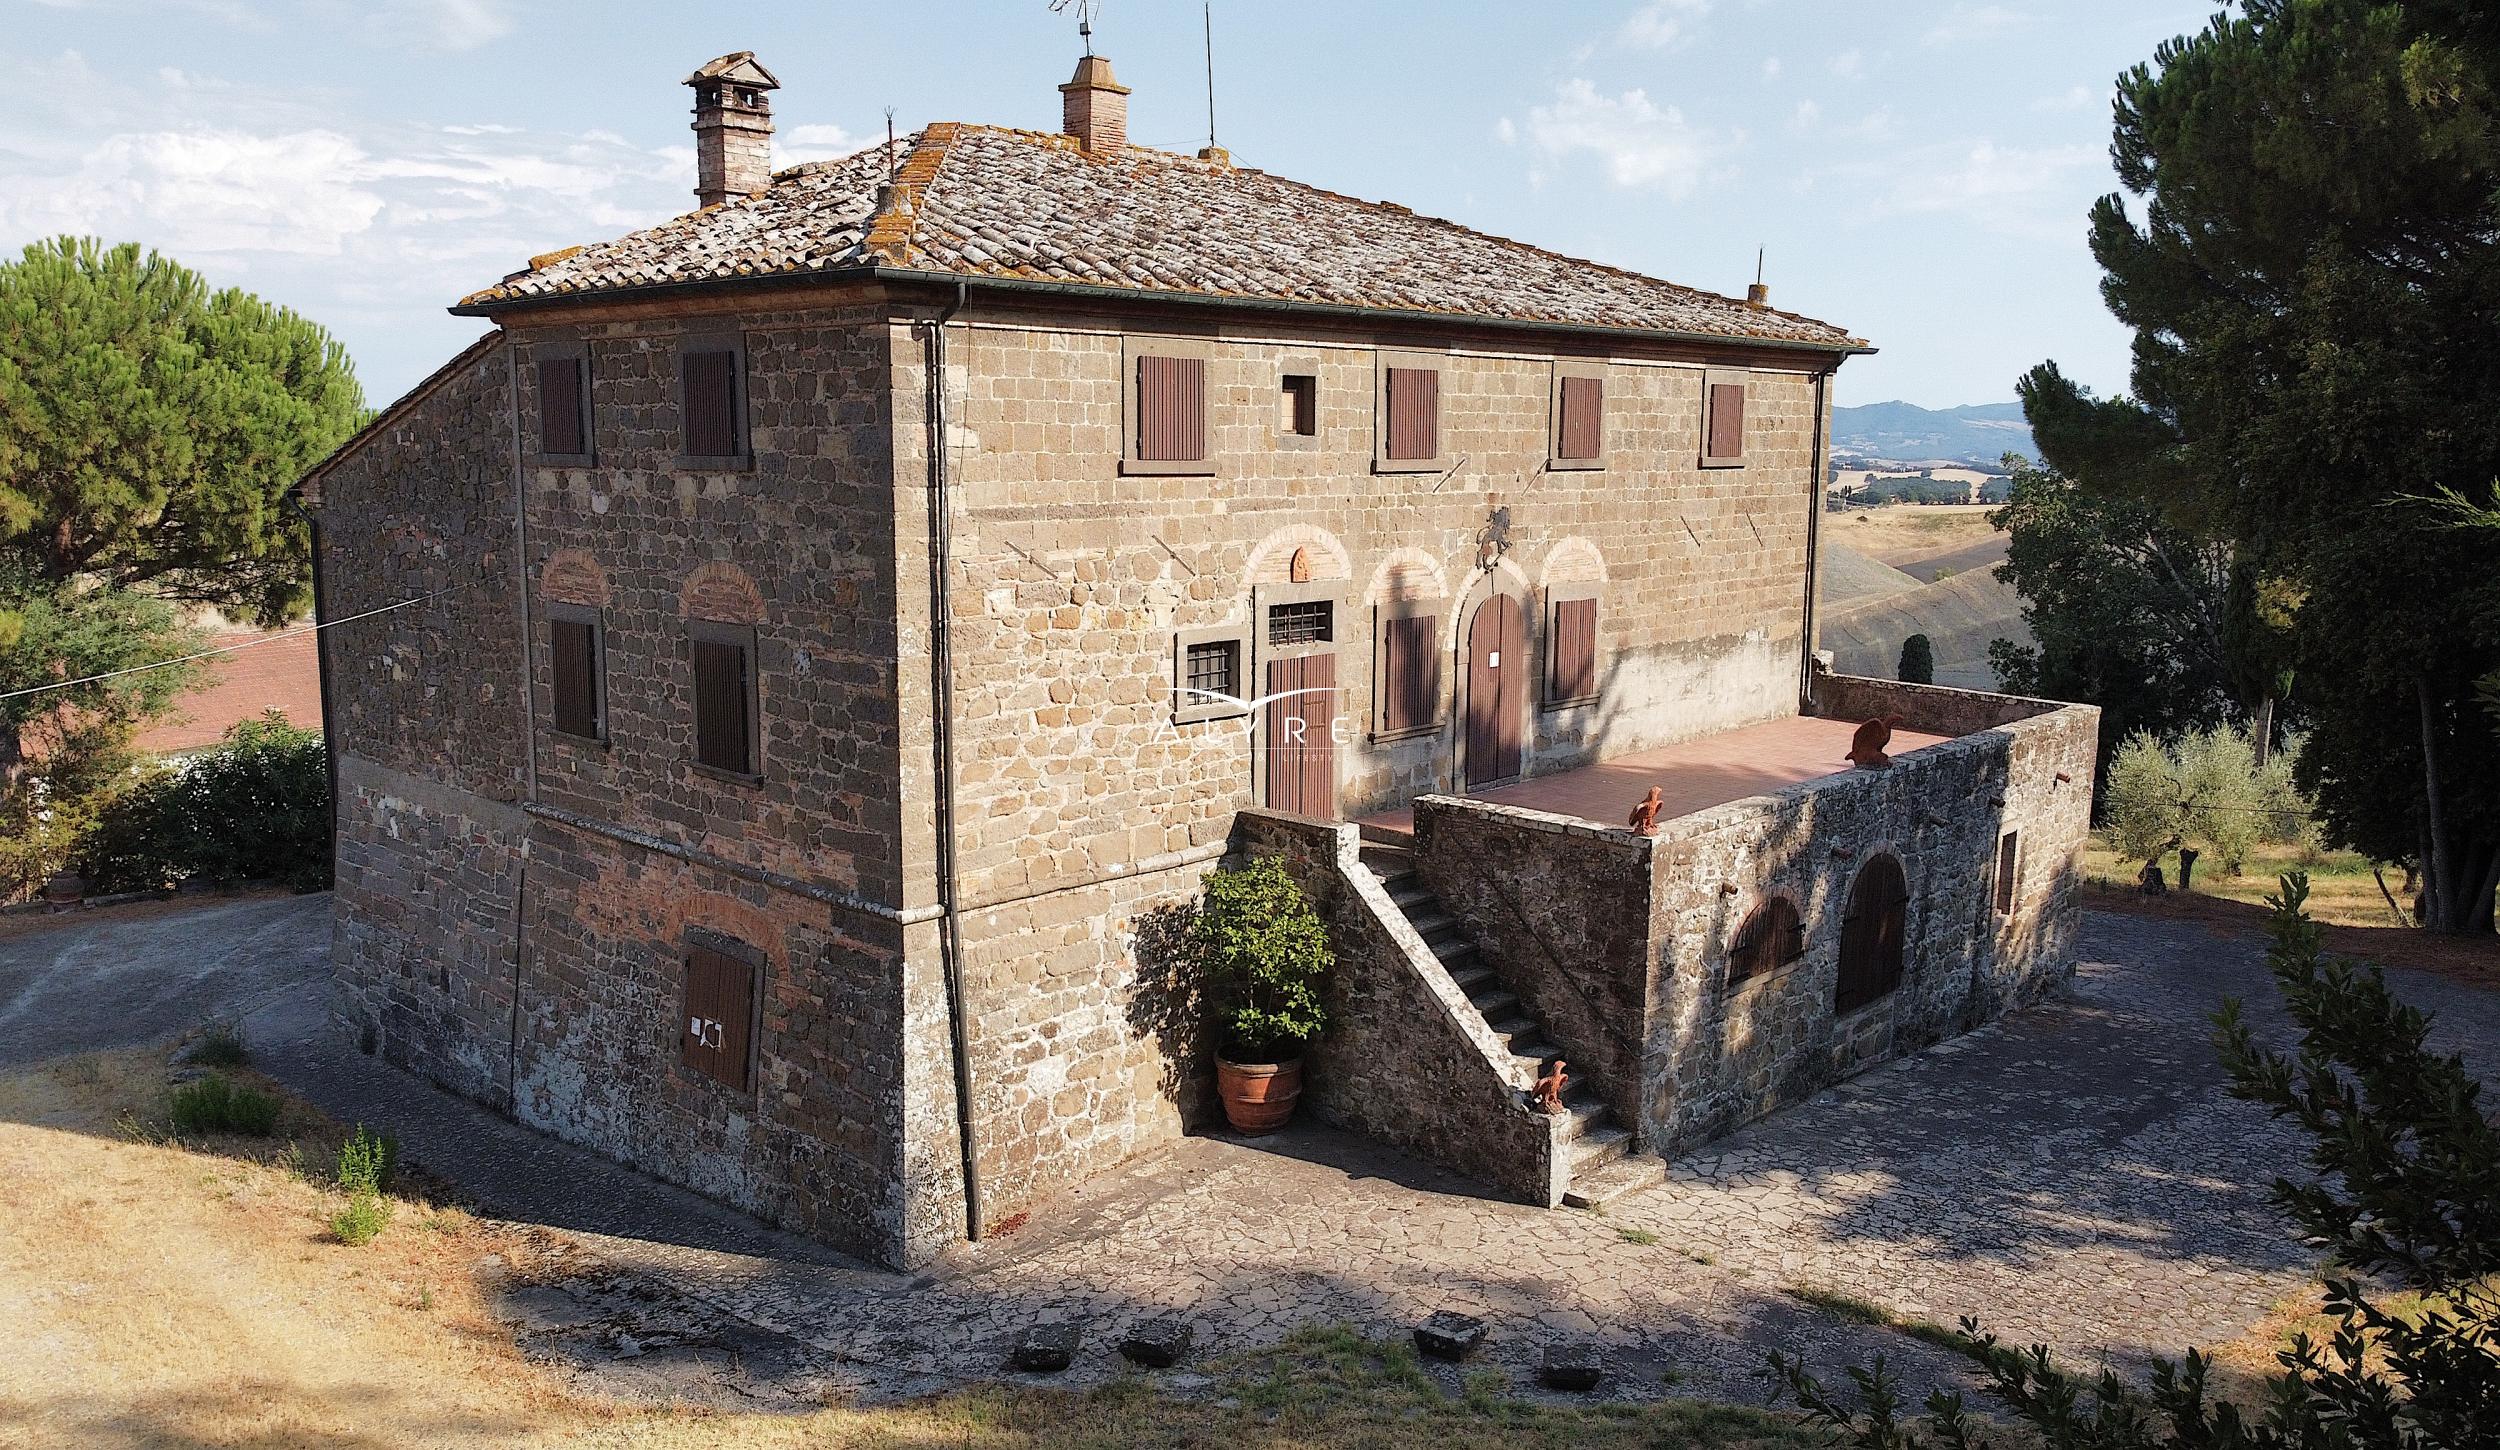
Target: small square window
<point>1214,671</point>
<point>1298,406</point>
<point>1309,621</point>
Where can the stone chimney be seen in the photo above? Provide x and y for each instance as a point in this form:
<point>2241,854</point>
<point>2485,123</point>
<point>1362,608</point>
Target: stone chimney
<point>733,128</point>
<point>1094,108</point>
<point>1758,297</point>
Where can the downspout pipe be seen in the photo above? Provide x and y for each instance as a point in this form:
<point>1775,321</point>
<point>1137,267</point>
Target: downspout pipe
<point>1815,504</point>
<point>942,668</point>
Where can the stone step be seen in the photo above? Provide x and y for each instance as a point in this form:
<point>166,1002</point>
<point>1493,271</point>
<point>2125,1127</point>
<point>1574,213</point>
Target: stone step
<point>1410,895</point>
<point>1588,1113</point>
<point>1453,950</point>
<point>1628,1174</point>
<point>1475,977</point>
<point>1434,924</point>
<point>1493,999</point>
<point>1532,1051</point>
<point>1516,1029</point>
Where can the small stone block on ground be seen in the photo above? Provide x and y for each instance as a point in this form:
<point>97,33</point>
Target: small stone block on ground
<point>1157,1343</point>
<point>1575,1367</point>
<point>1625,1176</point>
<point>1045,1349</point>
<point>1450,1335</point>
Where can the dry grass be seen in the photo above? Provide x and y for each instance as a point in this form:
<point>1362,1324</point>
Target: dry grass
<point>170,1294</point>
<point>2343,897</point>
<point>1906,533</point>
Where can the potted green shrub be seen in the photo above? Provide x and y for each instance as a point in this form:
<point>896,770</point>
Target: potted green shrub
<point>1262,953</point>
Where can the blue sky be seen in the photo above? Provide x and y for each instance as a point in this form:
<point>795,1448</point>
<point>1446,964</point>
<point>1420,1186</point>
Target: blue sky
<point>1919,170</point>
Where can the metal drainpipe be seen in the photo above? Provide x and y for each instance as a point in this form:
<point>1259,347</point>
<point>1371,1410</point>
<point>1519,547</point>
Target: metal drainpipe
<point>942,666</point>
<point>1815,501</point>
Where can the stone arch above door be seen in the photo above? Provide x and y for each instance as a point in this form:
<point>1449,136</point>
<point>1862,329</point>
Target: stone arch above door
<point>1271,559</point>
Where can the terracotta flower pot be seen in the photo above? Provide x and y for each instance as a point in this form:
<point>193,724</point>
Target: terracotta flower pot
<point>1258,1096</point>
<point>66,889</point>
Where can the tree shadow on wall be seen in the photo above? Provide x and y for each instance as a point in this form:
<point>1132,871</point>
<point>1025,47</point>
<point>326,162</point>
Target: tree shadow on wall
<point>1169,1006</point>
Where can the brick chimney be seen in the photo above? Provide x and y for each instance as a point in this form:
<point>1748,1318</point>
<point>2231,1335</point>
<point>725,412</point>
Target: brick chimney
<point>733,128</point>
<point>1094,108</point>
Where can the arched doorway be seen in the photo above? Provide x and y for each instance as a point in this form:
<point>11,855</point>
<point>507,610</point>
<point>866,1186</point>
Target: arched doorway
<point>1872,935</point>
<point>1497,690</point>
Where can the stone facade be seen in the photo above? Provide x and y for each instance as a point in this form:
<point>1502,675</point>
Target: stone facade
<point>516,905</point>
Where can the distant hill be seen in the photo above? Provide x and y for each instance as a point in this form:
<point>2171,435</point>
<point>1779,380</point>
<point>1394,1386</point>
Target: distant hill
<point>1978,433</point>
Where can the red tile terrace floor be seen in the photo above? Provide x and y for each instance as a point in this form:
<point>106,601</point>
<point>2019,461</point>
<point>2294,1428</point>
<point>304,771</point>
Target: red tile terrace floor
<point>1693,776</point>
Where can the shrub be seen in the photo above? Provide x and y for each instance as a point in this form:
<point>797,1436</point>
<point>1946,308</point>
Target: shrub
<point>361,1219</point>
<point>2205,786</point>
<point>2406,1200</point>
<point>366,1160</point>
<point>220,1045</point>
<point>257,806</point>
<point>1918,661</point>
<point>219,1104</point>
<point>1263,953</point>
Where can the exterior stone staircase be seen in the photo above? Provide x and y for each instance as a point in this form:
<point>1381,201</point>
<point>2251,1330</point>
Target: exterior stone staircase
<point>1602,1165</point>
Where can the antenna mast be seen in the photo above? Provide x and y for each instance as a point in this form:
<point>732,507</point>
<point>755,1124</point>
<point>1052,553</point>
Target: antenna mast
<point>1206,13</point>
<point>1085,10</point>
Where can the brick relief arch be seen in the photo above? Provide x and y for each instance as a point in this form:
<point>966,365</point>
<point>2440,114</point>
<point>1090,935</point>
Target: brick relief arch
<point>1575,560</point>
<point>1272,561</point>
<point>1407,576</point>
<point>571,576</point>
<point>723,594</point>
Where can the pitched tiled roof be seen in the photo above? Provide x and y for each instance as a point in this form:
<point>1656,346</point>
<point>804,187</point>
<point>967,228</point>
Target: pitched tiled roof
<point>984,201</point>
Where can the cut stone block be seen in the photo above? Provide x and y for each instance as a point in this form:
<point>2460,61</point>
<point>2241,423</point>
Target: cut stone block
<point>1045,1349</point>
<point>1450,1335</point>
<point>1157,1343</point>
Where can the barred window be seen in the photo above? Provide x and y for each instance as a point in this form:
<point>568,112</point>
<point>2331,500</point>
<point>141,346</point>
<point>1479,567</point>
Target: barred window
<point>1214,669</point>
<point>1309,621</point>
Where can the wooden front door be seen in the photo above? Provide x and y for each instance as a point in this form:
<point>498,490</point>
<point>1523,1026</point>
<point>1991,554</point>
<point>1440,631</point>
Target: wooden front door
<point>1497,686</point>
<point>1300,724</point>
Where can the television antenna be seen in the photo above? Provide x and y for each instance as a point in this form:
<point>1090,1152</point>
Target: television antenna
<point>1085,10</point>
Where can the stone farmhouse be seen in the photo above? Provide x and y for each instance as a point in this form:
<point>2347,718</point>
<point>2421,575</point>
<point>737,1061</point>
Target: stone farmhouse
<point>826,635</point>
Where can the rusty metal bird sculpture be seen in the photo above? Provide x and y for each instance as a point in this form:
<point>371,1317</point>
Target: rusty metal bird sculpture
<point>1866,748</point>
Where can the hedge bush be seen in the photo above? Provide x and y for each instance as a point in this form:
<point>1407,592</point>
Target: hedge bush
<point>256,807</point>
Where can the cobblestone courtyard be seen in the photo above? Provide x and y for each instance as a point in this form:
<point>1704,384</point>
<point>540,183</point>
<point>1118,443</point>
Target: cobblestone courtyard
<point>2072,1173</point>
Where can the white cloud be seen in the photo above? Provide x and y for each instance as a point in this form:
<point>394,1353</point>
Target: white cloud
<point>1641,143</point>
<point>210,191</point>
<point>1849,63</point>
<point>1805,116</point>
<point>442,24</point>
<point>813,142</point>
<point>2033,191</point>
<point>1506,132</point>
<point>1771,68</point>
<point>1970,22</point>
<point>2075,98</point>
<point>1660,24</point>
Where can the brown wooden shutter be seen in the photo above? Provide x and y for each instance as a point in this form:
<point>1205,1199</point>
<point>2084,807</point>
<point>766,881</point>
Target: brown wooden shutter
<point>576,676</point>
<point>2009,861</point>
<point>1171,409</point>
<point>1771,937</point>
<point>723,688</point>
<point>1583,428</point>
<point>560,407</point>
<point>715,1036</point>
<point>1575,649</point>
<point>1727,421</point>
<point>1414,413</point>
<point>711,394</point>
<point>1300,733</point>
<point>1411,664</point>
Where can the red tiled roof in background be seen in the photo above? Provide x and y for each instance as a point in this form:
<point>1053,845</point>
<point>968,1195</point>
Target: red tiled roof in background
<point>283,674</point>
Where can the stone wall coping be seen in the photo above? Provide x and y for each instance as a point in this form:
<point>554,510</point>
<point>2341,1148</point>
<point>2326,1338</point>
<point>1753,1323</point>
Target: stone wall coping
<point>1548,822</point>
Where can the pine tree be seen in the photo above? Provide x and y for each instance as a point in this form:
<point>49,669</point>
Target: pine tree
<point>1918,660</point>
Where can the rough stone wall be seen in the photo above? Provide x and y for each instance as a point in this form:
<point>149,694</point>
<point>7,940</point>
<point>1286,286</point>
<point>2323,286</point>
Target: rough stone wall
<point>800,545</point>
<point>1721,1055</point>
<point>1562,909</point>
<point>427,729</point>
<point>1406,1059</point>
<point>811,1145</point>
<point>1930,709</point>
<point>1073,575</point>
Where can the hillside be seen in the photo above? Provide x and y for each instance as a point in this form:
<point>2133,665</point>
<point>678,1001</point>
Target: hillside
<point>1889,573</point>
<point>1897,432</point>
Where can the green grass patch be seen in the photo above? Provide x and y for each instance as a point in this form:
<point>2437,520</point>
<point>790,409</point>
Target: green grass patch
<point>1640,1236</point>
<point>218,1104</point>
<point>220,1044</point>
<point>1841,1304</point>
<point>366,1161</point>
<point>361,1220</point>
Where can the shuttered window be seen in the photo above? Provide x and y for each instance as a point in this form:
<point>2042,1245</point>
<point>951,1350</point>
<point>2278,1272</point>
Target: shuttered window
<point>575,646</point>
<point>2009,864</point>
<point>1771,937</point>
<point>724,701</point>
<point>563,430</point>
<point>709,387</point>
<point>1171,409</point>
<point>1574,675</point>
<point>1414,414</point>
<point>1410,673</point>
<point>715,1034</point>
<point>1872,936</point>
<point>1580,428</point>
<point>1725,435</point>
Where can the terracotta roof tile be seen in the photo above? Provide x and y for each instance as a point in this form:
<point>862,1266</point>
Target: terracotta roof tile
<point>985,201</point>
